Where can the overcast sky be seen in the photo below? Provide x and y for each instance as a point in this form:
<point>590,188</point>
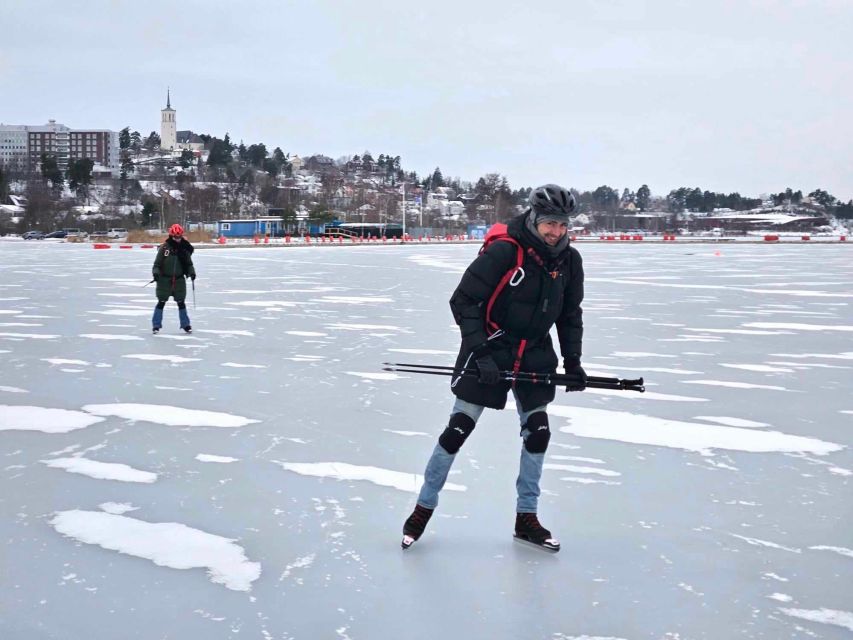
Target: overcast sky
<point>749,96</point>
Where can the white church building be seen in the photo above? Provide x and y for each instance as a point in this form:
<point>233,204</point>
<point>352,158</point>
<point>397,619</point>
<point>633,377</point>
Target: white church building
<point>168,126</point>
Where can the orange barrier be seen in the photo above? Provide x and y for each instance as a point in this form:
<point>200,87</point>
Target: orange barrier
<point>101,245</point>
<point>805,238</point>
<point>771,238</point>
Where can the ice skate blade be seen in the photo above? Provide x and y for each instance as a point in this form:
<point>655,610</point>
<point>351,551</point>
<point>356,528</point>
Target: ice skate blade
<point>407,542</point>
<point>552,547</point>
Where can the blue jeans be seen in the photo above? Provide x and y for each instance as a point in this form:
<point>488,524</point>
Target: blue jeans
<point>157,318</point>
<point>529,468</point>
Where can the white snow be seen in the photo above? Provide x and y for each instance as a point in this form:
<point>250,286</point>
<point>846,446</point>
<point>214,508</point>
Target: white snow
<point>207,457</point>
<point>425,352</point>
<point>344,471</point>
<point>799,326</point>
<point>843,551</point>
<point>826,616</point>
<point>169,415</point>
<point>156,357</point>
<point>166,544</point>
<point>760,368</point>
<point>237,365</point>
<point>59,361</point>
<point>29,418</point>
<point>307,334</point>
<point>756,542</point>
<point>28,336</point>
<point>374,375</point>
<point>732,422</point>
<point>102,470</point>
<point>580,469</point>
<point>108,336</point>
<point>117,508</point>
<point>701,438</point>
<point>12,389</point>
<point>735,385</point>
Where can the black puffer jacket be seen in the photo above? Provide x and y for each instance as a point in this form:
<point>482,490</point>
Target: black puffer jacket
<point>550,293</point>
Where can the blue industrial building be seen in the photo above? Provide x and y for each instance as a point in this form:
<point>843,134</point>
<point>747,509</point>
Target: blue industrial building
<point>261,226</point>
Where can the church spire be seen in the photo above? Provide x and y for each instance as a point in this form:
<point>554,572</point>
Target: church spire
<point>168,99</point>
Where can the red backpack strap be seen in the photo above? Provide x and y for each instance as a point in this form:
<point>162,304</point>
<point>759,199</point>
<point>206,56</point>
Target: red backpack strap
<point>498,232</point>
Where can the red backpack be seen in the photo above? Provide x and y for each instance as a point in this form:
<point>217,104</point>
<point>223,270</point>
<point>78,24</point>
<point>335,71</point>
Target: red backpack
<point>498,233</point>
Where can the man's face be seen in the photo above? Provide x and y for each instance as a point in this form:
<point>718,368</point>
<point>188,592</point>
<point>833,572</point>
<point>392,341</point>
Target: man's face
<point>177,238</point>
<point>552,231</point>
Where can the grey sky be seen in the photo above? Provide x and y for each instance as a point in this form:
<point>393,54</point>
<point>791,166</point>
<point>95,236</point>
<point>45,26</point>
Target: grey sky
<point>749,96</point>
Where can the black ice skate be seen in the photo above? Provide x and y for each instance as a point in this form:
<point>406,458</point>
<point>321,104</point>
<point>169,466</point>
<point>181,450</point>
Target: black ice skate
<point>188,329</point>
<point>155,330</point>
<point>415,525</point>
<point>529,531</point>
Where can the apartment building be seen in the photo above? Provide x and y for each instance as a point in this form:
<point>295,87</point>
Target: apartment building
<point>21,146</point>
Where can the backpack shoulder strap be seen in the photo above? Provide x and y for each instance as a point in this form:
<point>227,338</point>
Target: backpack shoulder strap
<point>498,233</point>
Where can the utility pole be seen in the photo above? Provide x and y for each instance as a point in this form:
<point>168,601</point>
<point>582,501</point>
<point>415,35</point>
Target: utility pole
<point>404,209</point>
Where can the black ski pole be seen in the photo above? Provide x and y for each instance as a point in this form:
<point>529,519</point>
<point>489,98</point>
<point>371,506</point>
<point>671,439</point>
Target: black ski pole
<point>595,382</point>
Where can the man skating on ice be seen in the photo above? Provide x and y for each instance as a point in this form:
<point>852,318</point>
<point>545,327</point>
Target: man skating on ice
<point>173,263</point>
<point>524,282</point>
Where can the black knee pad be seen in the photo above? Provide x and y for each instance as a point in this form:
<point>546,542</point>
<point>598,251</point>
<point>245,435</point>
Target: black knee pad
<point>456,432</point>
<point>540,433</point>
<point>161,304</point>
<point>182,304</point>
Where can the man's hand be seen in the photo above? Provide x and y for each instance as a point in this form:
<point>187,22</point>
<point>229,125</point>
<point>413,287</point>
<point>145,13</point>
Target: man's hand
<point>573,368</point>
<point>192,277</point>
<point>489,372</point>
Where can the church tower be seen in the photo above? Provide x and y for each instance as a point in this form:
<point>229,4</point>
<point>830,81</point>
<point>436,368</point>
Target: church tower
<point>168,126</point>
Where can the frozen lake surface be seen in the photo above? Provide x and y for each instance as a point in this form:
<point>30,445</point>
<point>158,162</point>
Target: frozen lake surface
<point>251,480</point>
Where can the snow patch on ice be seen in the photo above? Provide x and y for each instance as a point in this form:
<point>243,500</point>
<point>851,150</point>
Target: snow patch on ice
<point>701,438</point>
<point>166,544</point>
<point>373,376</point>
<point>168,415</point>
<point>795,326</point>
<point>407,433</point>
<point>29,418</point>
<point>760,368</point>
<point>425,352</point>
<point>108,336</point>
<point>844,551</point>
<point>307,334</point>
<point>237,365</point>
<point>12,389</point>
<point>825,616</point>
<point>102,470</point>
<point>27,336</point>
<point>344,471</point>
<point>156,357</point>
<point>756,542</point>
<point>207,457</point>
<point>117,508</point>
<point>732,422</point>
<point>735,385</point>
<point>64,361</point>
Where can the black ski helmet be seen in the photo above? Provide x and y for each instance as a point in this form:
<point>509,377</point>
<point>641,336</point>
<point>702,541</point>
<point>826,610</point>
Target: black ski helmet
<point>551,202</point>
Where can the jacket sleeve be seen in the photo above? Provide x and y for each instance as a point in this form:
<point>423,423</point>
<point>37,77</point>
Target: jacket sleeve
<point>190,264</point>
<point>470,299</point>
<point>570,321</point>
<point>158,263</point>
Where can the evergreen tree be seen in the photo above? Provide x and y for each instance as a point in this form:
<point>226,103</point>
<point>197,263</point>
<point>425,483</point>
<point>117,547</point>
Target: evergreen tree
<point>135,141</point>
<point>124,138</point>
<point>437,179</point>
<point>186,159</point>
<point>256,154</point>
<point>219,156</point>
<point>50,171</point>
<point>644,196</point>
<point>80,174</point>
<point>152,142</point>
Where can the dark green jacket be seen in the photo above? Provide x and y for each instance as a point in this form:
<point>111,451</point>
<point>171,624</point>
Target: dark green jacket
<point>173,263</point>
